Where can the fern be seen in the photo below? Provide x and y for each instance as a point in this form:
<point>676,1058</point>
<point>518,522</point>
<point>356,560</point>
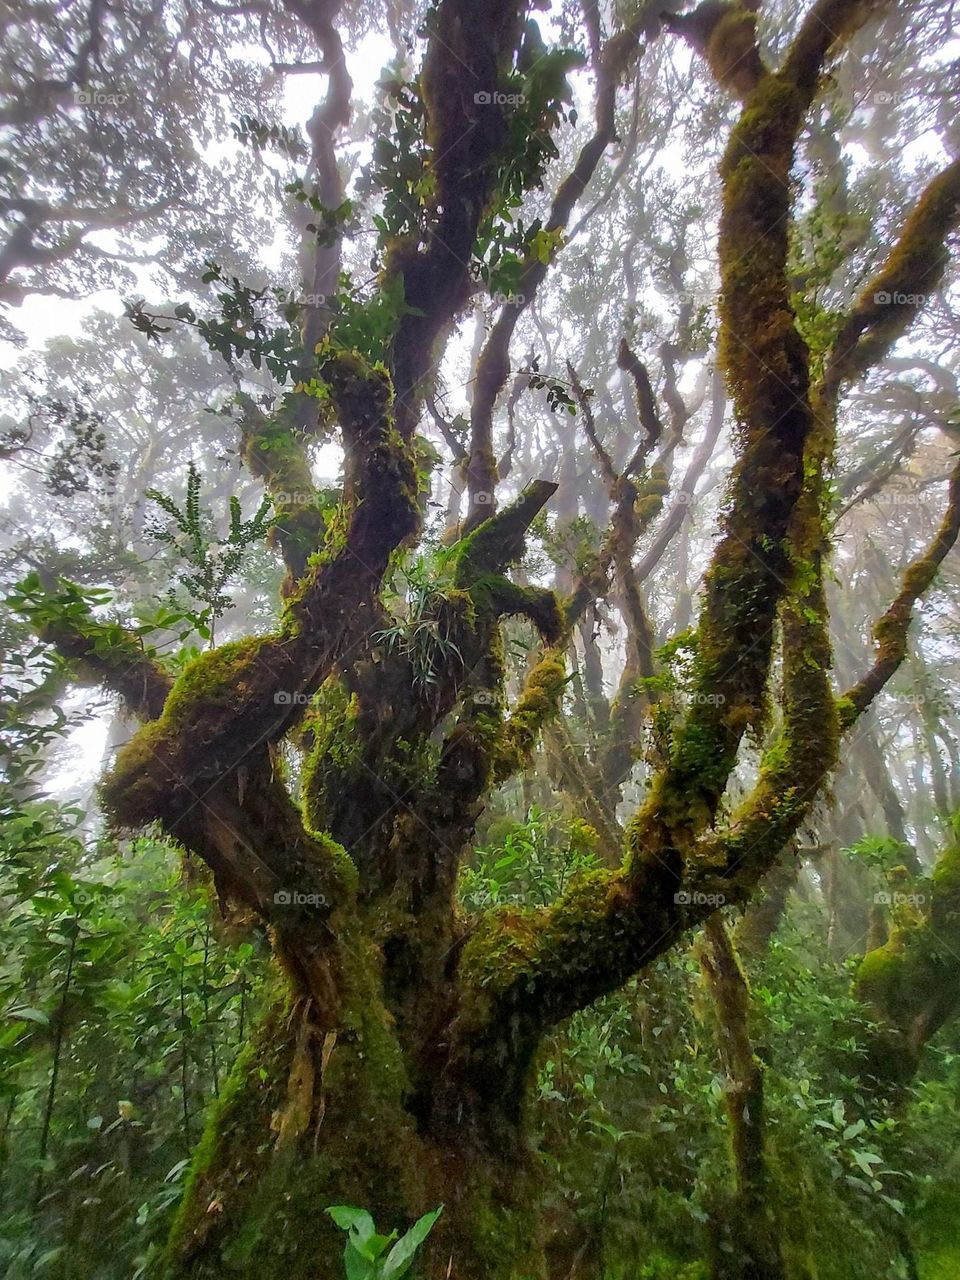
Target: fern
<point>209,563</point>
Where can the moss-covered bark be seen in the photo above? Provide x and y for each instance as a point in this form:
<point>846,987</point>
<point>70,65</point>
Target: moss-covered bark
<point>312,1118</point>
<point>911,981</point>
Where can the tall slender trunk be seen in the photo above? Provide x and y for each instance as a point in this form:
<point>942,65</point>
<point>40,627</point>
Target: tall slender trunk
<point>207,1022</point>
<point>748,1238</point>
<point>58,1040</point>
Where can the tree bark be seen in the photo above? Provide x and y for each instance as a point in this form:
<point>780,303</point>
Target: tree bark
<point>747,1246</point>
<point>314,1116</point>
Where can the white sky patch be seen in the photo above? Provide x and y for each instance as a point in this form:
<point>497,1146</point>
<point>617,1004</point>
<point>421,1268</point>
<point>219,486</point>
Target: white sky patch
<point>76,763</point>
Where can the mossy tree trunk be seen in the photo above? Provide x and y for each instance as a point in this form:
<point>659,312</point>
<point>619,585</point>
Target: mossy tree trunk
<point>313,1118</point>
<point>910,980</point>
<point>394,1066</point>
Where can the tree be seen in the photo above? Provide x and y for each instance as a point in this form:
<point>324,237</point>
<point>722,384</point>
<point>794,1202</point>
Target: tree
<point>394,1065</point>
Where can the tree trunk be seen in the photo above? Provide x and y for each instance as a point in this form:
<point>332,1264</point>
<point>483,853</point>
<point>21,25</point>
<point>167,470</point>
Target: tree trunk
<point>315,1115</point>
<point>747,1237</point>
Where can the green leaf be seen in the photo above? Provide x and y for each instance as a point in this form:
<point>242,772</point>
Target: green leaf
<point>400,1257</point>
<point>347,1218</point>
<point>866,1160</point>
<point>356,1266</point>
<point>29,1015</point>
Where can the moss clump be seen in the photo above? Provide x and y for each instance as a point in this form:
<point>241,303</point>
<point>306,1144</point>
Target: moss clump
<point>732,53</point>
<point>648,502</point>
<point>218,679</point>
<point>496,597</point>
<point>910,982</point>
<point>134,791</point>
<point>539,701</point>
<point>576,913</point>
<point>879,981</point>
<point>500,949</point>
<point>573,944</point>
<point>216,691</point>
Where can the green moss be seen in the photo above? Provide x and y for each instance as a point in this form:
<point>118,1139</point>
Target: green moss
<point>649,501</point>
<point>336,753</point>
<point>276,453</point>
<point>504,1234</point>
<point>732,50</point>
<point>945,907</point>
<point>498,542</point>
<point>539,700</point>
<point>337,859</point>
<point>220,678</point>
<point>500,948</point>
<point>254,1206</point>
<point>496,596</point>
<point>213,689</point>
<point>878,976</point>
<point>933,1230</point>
<point>132,792</point>
<point>251,1093</point>
<point>908,982</point>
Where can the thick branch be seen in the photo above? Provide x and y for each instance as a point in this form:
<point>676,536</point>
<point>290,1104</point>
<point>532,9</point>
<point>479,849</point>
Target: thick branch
<point>276,453</point>
<point>105,654</point>
<point>548,964</point>
<point>232,702</point>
